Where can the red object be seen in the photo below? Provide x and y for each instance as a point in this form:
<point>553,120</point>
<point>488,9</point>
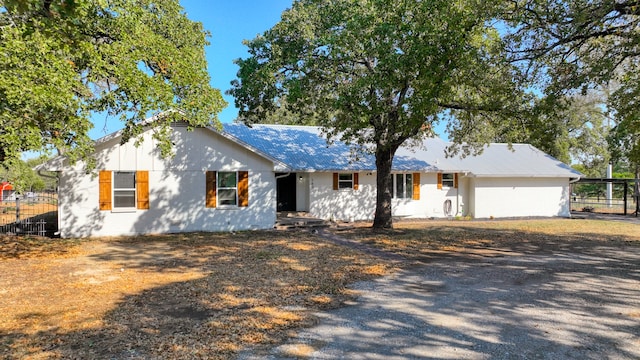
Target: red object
<point>4,186</point>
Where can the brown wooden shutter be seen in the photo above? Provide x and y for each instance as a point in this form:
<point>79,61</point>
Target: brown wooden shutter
<point>455,180</point>
<point>142,188</point>
<point>416,186</point>
<point>335,181</point>
<point>355,181</point>
<point>439,181</point>
<point>210,197</point>
<point>243,188</point>
<point>105,190</point>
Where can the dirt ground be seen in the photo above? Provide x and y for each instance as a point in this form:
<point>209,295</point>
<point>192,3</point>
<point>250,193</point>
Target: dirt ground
<point>203,296</point>
<point>193,296</point>
<point>503,291</point>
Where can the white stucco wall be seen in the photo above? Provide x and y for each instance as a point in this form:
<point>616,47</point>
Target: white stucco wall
<point>349,204</point>
<point>176,189</point>
<point>518,197</point>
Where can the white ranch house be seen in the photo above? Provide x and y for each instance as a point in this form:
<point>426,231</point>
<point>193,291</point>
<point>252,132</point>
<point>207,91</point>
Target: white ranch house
<point>239,178</point>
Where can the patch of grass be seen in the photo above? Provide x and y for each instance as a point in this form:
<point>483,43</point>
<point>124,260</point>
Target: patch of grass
<point>417,239</point>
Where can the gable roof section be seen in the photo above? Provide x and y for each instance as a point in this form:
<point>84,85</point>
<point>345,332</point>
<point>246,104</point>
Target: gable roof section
<point>304,148</point>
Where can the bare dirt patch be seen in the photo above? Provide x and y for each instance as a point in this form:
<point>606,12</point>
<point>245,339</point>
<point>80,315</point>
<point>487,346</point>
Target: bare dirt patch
<point>207,296</point>
<point>178,296</point>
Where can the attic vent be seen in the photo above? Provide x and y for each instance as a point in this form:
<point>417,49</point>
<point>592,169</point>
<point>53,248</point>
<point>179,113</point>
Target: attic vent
<point>179,124</point>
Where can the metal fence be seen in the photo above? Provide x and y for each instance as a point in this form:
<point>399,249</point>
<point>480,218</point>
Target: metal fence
<point>29,214</point>
<point>591,195</point>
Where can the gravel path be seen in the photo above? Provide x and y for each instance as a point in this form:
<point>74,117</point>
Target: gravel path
<point>581,304</point>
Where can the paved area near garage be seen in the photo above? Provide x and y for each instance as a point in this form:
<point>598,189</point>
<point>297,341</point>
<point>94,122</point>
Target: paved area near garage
<point>582,304</point>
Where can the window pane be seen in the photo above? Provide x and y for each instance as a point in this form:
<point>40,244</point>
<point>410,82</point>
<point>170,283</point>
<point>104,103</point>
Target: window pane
<point>124,198</point>
<point>447,180</point>
<point>124,180</point>
<point>345,181</point>
<point>345,184</point>
<point>409,187</point>
<point>226,179</point>
<point>227,197</point>
<point>399,186</point>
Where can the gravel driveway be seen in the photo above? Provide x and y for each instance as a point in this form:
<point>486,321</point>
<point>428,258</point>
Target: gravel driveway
<point>582,304</point>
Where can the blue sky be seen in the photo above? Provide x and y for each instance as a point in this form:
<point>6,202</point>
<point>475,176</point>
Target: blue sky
<point>229,22</point>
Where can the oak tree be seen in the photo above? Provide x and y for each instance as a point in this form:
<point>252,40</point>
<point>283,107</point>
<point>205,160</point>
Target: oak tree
<point>64,60</point>
<point>380,73</point>
<point>568,47</point>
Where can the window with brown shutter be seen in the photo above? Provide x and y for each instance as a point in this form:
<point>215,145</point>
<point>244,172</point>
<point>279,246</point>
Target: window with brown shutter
<point>123,190</point>
<point>403,186</point>
<point>105,190</point>
<point>227,188</point>
<point>345,181</point>
<point>449,180</point>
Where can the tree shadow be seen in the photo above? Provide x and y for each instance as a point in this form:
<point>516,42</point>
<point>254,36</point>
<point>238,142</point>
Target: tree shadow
<point>580,303</point>
<point>250,288</point>
<point>565,301</point>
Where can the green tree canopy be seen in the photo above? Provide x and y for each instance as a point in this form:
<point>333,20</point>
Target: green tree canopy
<point>380,73</point>
<point>21,175</point>
<point>64,60</point>
<point>569,46</point>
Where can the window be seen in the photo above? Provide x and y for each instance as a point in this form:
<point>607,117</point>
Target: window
<point>124,189</point>
<point>345,181</point>
<point>227,188</point>
<point>448,180</point>
<point>402,185</point>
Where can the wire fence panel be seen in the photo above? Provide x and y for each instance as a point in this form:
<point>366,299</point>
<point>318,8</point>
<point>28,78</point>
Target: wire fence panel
<point>593,196</point>
<point>29,214</point>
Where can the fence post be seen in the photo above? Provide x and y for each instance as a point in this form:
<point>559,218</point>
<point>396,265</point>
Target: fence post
<point>624,196</point>
<point>17,209</point>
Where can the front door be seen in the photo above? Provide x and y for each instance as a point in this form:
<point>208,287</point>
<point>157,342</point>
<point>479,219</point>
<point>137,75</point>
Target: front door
<point>286,192</point>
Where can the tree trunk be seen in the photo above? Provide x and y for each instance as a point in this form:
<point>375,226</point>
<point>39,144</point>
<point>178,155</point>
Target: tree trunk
<point>383,218</point>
